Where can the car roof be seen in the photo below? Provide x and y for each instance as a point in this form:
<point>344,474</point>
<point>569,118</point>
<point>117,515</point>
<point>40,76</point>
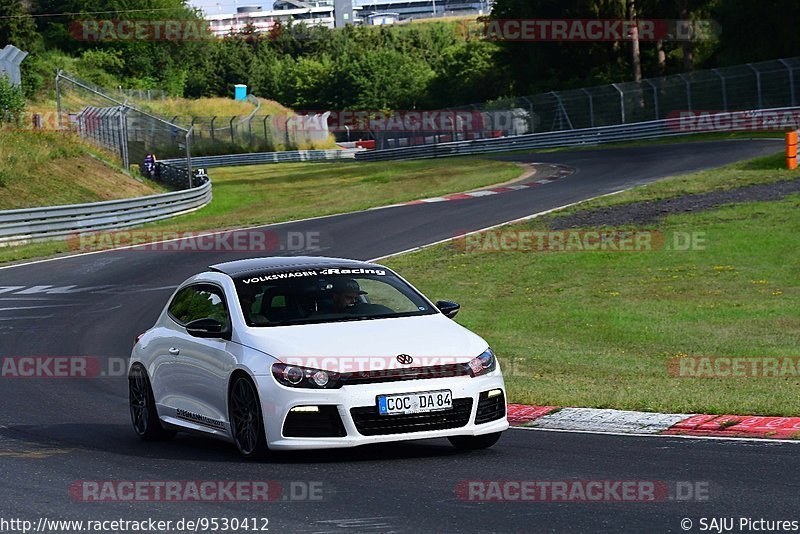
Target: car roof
<point>283,263</point>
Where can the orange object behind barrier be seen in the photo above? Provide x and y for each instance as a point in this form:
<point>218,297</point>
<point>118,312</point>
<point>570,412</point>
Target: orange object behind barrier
<point>369,145</point>
<point>791,150</point>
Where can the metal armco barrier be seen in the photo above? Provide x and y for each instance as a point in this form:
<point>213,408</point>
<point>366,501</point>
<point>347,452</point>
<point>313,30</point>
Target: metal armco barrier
<point>567,138</point>
<point>174,173</point>
<point>260,158</point>
<point>25,225</point>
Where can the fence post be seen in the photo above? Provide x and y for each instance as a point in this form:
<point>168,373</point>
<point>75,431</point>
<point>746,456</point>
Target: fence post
<point>123,131</point>
<point>791,80</point>
<point>58,97</point>
<point>189,156</point>
<point>230,123</point>
<point>621,101</point>
<point>266,135</point>
<point>758,84</point>
<point>688,91</point>
<point>533,117</point>
<point>212,128</point>
<point>591,107</point>
<point>562,112</point>
<point>655,96</point>
<point>724,89</point>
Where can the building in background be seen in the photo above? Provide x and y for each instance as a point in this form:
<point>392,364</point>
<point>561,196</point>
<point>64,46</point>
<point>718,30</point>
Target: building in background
<point>339,13</point>
<point>374,10</point>
<point>381,19</point>
<point>343,12</point>
<point>314,13</point>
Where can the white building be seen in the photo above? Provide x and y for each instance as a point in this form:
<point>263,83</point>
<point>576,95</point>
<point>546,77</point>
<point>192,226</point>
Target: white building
<point>319,13</point>
<point>324,13</point>
<point>419,9</point>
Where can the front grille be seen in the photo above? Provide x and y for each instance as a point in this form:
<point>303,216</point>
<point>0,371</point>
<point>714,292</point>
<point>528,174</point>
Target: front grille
<point>412,373</point>
<point>490,409</point>
<point>370,423</point>
<point>323,424</point>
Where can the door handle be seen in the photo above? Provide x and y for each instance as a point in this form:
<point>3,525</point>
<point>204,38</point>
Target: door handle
<point>174,351</point>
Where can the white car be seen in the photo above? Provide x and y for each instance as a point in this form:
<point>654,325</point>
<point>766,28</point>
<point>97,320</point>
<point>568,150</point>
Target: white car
<point>311,353</point>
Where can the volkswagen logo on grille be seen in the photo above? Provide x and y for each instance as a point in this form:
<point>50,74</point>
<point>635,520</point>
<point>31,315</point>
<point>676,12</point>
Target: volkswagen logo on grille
<point>405,359</point>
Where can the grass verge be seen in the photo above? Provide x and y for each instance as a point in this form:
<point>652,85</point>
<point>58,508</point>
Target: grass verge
<point>263,194</point>
<point>599,329</point>
<point>764,170</point>
<point>52,168</point>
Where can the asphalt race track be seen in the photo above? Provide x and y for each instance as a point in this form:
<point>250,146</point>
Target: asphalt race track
<point>54,432</point>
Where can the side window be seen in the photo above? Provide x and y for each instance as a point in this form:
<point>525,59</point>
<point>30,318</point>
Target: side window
<point>199,302</point>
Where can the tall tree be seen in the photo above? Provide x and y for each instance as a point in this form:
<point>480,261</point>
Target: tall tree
<point>17,26</point>
<point>688,48</point>
<point>636,54</point>
<point>757,31</point>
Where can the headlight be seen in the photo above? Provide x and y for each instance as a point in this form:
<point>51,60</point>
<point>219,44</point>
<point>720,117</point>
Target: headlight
<point>295,376</point>
<point>485,363</point>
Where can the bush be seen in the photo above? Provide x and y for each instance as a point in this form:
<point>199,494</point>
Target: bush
<point>101,67</point>
<point>12,100</point>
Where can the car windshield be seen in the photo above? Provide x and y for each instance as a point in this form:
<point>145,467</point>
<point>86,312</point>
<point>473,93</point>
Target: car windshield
<point>326,295</point>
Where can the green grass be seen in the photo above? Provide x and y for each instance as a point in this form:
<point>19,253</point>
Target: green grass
<point>597,329</point>
<point>47,168</point>
<point>200,107</point>
<point>247,196</point>
<point>764,170</point>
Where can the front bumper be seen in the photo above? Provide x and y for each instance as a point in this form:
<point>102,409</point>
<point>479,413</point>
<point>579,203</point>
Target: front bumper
<point>277,400</point>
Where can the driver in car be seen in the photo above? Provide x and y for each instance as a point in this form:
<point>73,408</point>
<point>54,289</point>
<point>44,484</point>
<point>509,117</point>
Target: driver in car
<point>345,294</point>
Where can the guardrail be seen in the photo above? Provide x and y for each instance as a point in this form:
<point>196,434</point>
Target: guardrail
<point>175,173</point>
<point>260,158</point>
<point>664,128</point>
<point>34,224</point>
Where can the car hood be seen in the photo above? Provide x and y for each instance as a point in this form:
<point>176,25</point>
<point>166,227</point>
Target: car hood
<point>369,344</point>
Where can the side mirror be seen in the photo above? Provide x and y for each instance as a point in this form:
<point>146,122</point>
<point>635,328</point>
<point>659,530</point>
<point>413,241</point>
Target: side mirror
<point>448,308</point>
<point>206,328</point>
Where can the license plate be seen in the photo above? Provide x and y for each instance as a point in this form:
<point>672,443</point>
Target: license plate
<point>428,401</point>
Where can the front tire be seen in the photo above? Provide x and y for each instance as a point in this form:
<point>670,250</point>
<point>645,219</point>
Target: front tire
<point>473,443</point>
<point>247,421</point>
<point>142,404</point>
